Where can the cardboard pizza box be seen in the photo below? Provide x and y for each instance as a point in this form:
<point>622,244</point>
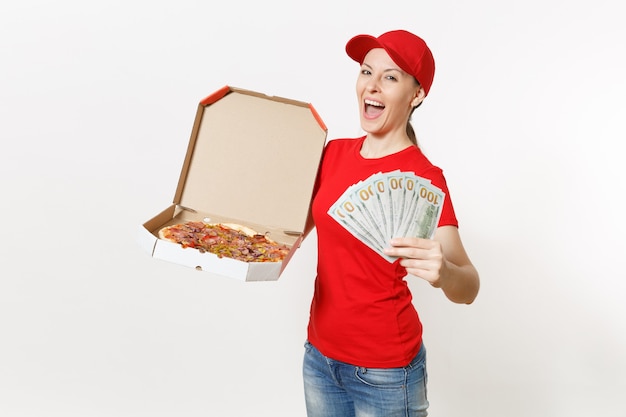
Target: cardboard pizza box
<point>252,160</point>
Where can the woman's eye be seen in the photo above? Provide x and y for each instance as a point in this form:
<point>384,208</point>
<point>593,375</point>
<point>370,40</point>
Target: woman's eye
<point>365,72</point>
<point>391,78</point>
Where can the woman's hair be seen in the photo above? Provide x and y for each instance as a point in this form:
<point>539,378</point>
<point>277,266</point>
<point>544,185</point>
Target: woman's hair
<point>409,127</point>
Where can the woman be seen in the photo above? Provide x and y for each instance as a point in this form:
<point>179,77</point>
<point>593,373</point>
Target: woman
<point>364,353</point>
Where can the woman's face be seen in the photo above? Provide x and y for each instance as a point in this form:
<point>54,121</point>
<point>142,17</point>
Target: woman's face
<point>386,94</point>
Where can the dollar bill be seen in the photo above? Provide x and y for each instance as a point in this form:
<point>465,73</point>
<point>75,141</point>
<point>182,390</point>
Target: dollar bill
<point>387,205</point>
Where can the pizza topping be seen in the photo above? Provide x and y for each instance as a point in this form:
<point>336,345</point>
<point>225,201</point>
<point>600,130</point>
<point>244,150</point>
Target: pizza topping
<point>225,241</point>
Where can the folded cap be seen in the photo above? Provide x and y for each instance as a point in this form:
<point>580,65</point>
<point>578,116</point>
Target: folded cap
<point>407,50</point>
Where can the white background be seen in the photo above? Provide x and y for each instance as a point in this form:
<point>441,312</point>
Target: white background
<point>97,99</point>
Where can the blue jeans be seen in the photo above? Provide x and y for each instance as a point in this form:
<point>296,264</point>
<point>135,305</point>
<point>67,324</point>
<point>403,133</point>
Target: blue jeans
<point>337,389</point>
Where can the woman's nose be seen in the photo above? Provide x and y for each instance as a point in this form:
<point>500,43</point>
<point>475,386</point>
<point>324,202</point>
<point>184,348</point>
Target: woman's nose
<point>372,84</point>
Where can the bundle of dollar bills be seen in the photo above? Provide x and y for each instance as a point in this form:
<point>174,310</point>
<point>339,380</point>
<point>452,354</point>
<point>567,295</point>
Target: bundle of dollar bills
<point>387,205</point>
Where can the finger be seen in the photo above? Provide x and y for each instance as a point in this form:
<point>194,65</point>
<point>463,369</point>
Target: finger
<point>407,252</point>
<point>410,242</point>
<point>420,270</point>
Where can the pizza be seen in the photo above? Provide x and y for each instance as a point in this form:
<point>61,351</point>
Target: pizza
<point>225,240</point>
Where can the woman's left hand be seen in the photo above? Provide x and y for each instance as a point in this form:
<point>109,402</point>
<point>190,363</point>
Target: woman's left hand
<point>442,261</point>
<point>420,257</point>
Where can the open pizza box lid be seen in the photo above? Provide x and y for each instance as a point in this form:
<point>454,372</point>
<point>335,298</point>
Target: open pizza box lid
<point>252,160</point>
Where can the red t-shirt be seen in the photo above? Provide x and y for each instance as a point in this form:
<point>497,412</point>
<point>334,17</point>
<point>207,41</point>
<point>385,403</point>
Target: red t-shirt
<point>362,311</point>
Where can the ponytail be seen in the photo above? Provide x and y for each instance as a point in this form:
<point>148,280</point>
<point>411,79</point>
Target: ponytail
<point>410,132</point>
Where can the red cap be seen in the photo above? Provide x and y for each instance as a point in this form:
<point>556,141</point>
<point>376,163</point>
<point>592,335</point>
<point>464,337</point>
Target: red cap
<point>407,50</point>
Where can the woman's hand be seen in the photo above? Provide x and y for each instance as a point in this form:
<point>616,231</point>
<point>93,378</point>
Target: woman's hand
<point>442,261</point>
<point>421,257</point>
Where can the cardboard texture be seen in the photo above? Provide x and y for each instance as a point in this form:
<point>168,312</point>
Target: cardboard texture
<point>252,159</point>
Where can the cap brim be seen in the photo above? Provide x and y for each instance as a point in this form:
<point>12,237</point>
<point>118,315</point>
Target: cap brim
<point>360,45</point>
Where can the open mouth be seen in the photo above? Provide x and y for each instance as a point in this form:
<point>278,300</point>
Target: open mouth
<point>373,108</point>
